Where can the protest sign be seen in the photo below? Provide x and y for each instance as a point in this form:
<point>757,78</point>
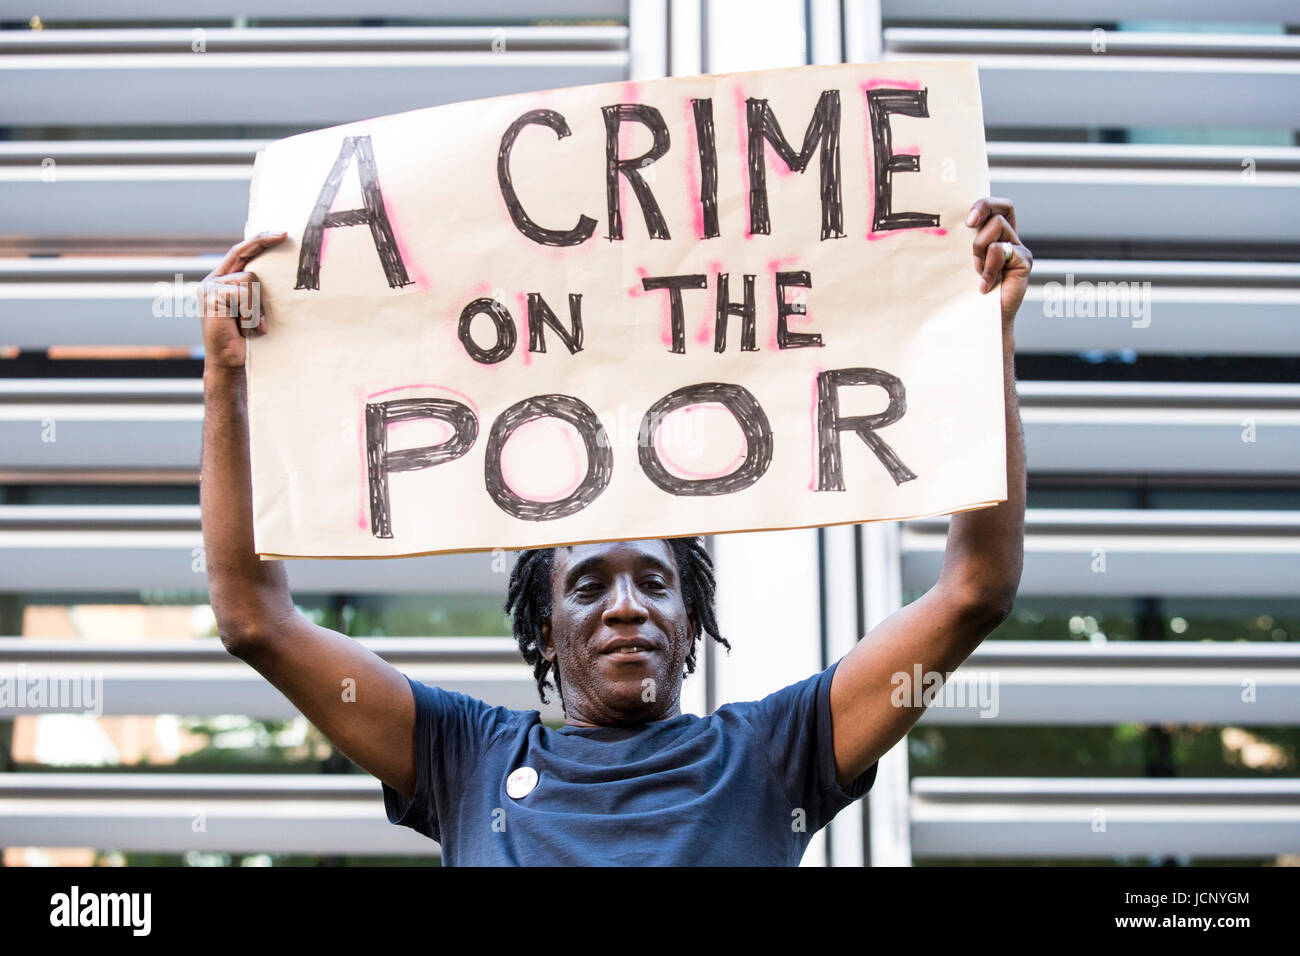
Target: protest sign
<point>682,306</point>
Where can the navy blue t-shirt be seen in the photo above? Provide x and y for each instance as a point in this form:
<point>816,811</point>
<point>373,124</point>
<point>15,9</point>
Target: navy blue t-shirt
<point>747,786</point>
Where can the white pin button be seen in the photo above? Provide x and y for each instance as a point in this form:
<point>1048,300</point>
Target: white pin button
<point>521,783</point>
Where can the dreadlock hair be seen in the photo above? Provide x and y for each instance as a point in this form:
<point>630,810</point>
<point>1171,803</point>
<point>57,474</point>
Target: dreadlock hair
<point>529,600</point>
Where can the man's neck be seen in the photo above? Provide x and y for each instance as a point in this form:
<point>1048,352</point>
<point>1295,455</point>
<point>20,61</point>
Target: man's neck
<point>579,721</point>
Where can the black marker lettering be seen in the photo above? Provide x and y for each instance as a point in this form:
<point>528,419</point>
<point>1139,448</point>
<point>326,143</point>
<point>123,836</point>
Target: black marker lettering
<point>540,315</point>
<point>708,150</point>
<point>784,337</point>
<point>880,104</point>
<point>748,414</point>
<point>745,309</point>
<point>675,285</point>
<point>653,120</point>
<point>823,132</point>
<point>539,234</point>
<point>600,457</point>
<point>372,214</point>
<point>380,462</point>
<point>501,321</point>
<point>830,470</point>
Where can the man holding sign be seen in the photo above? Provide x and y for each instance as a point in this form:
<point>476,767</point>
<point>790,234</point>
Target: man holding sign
<point>619,614</point>
<point>628,778</point>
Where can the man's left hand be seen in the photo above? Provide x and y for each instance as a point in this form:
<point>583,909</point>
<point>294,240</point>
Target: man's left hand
<point>1000,256</point>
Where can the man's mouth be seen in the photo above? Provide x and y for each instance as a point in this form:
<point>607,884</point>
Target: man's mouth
<point>629,650</point>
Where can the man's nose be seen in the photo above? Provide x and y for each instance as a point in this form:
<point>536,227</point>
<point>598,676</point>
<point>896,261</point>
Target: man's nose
<point>625,606</point>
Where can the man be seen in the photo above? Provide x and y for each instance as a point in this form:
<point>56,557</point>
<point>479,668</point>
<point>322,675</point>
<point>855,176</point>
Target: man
<point>628,778</point>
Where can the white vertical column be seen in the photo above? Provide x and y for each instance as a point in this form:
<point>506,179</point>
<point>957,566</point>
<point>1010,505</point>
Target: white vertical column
<point>685,59</point>
<point>845,833</point>
<point>769,601</point>
<point>647,39</point>
<point>686,37</point>
<point>755,35</point>
<point>768,608</point>
<point>863,37</point>
<point>890,796</point>
<point>824,32</point>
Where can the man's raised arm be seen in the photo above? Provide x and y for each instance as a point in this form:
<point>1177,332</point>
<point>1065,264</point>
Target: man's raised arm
<point>981,564</point>
<point>373,723</point>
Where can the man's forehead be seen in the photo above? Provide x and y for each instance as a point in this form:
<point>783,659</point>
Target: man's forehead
<point>650,550</point>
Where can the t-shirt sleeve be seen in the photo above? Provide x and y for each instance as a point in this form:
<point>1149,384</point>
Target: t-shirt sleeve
<point>794,727</point>
<point>452,731</point>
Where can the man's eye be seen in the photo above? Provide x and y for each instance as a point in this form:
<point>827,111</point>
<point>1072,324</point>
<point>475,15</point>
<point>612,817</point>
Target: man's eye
<point>655,584</point>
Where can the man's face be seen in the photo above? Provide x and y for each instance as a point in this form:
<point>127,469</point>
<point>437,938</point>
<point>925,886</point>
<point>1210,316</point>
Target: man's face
<point>619,631</point>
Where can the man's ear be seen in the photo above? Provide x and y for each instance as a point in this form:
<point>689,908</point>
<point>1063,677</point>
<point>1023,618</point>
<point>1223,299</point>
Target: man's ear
<point>548,645</point>
<point>694,625</point>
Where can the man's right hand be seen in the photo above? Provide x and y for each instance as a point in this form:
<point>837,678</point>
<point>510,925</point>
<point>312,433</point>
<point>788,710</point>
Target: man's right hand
<point>230,302</point>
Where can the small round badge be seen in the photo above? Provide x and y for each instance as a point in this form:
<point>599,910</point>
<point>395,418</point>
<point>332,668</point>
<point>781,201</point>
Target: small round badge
<point>521,783</point>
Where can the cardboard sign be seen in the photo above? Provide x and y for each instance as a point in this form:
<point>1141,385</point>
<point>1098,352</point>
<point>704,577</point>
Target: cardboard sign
<point>686,306</point>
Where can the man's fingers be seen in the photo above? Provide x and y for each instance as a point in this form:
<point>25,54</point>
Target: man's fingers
<point>232,278</point>
<point>1001,257</point>
<point>988,206</point>
<point>235,295</point>
<point>995,229</point>
<point>996,246</point>
<point>244,252</point>
<point>989,256</point>
<point>994,260</point>
<point>218,295</point>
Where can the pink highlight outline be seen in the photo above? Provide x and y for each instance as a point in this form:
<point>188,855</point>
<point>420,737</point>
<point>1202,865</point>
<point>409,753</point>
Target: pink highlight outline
<point>363,506</point>
<point>690,472</point>
<point>412,270</point>
<point>812,416</point>
<point>931,230</point>
<point>665,316</point>
<point>910,150</point>
<point>742,147</point>
<point>363,520</point>
<point>778,168</point>
<point>630,90</point>
<point>879,81</point>
<point>579,472</point>
<point>521,329</point>
<point>416,274</point>
<point>705,334</point>
<point>481,290</point>
<point>442,388</point>
<point>555,253</point>
<point>773,267</point>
